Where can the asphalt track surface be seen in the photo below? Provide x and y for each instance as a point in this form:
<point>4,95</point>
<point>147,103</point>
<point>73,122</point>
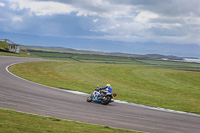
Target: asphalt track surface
<point>24,96</point>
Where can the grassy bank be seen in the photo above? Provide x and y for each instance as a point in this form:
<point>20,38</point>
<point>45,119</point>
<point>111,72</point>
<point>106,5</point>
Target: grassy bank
<point>153,86</point>
<point>4,51</point>
<point>15,122</point>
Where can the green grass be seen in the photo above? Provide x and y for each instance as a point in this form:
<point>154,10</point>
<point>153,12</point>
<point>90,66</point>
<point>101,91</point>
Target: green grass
<point>153,86</point>
<point>16,122</point>
<point>82,57</point>
<point>4,51</point>
<point>117,60</point>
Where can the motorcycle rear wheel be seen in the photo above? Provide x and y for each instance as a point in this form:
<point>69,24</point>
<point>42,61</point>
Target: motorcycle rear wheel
<point>106,100</point>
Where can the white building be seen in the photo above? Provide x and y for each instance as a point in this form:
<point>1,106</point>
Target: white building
<point>14,48</point>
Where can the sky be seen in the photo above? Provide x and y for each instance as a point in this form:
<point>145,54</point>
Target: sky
<point>169,27</point>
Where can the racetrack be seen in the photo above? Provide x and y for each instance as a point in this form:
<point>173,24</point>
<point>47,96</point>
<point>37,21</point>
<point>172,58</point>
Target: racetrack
<point>20,95</point>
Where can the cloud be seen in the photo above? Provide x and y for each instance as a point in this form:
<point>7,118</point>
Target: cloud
<point>2,4</point>
<point>175,21</point>
<point>41,8</point>
<point>95,20</point>
<point>166,8</point>
<point>16,18</point>
<point>80,8</point>
<point>145,16</point>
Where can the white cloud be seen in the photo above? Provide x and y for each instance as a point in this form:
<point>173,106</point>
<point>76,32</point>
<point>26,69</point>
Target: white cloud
<point>145,16</point>
<point>2,4</point>
<point>16,18</point>
<point>128,20</point>
<point>14,7</point>
<point>42,8</point>
<point>95,20</point>
<point>81,8</point>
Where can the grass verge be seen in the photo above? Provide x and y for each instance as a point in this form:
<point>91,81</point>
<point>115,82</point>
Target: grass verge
<point>158,87</point>
<point>17,122</point>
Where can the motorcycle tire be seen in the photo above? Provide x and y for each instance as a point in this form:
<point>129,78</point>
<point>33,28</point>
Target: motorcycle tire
<point>106,101</point>
<point>89,99</point>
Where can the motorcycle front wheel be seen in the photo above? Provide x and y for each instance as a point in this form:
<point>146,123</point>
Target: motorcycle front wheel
<point>89,99</point>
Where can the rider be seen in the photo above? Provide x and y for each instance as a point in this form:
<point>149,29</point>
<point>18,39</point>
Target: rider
<point>107,88</point>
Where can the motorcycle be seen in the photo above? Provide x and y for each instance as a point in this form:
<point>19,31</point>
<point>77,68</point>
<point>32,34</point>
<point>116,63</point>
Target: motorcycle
<point>104,97</point>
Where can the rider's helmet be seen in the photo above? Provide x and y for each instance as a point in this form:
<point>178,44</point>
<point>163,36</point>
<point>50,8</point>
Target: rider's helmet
<point>108,85</point>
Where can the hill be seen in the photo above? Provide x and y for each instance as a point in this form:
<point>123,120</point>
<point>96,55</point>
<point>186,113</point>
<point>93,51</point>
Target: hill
<point>87,52</point>
<point>3,46</point>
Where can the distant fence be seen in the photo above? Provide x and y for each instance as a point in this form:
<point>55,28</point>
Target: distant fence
<point>12,47</point>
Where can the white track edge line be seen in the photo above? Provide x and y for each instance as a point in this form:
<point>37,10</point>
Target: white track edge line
<point>117,101</point>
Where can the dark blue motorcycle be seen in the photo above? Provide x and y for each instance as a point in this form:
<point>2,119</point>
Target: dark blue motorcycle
<point>103,97</point>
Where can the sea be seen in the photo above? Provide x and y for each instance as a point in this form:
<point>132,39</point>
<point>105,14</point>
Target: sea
<point>197,60</point>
